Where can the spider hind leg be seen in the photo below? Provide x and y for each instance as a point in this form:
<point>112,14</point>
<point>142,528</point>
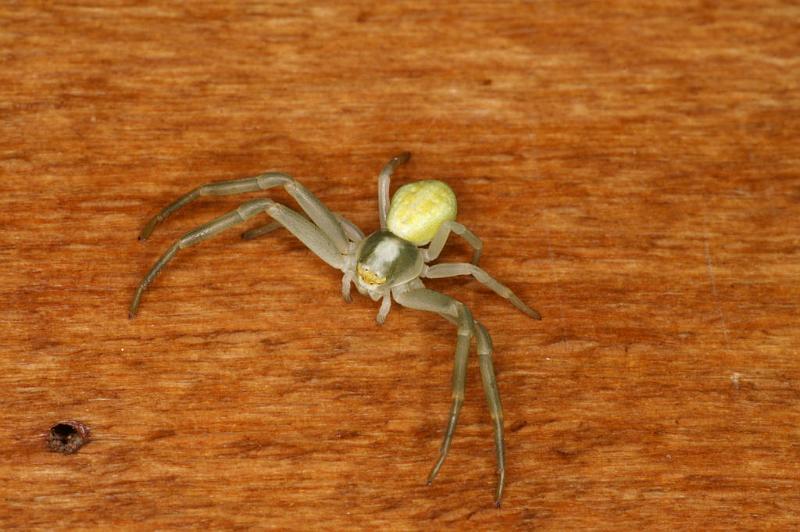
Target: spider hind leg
<point>457,312</point>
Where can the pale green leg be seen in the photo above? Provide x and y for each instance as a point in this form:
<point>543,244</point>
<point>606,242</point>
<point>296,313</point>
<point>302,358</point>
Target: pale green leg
<point>485,350</point>
<point>347,280</point>
<point>312,206</point>
<point>432,301</point>
<point>386,306</point>
<point>439,271</point>
<point>297,224</point>
<point>484,342</point>
<point>384,180</point>
<point>351,230</point>
<point>440,238</point>
<point>260,231</point>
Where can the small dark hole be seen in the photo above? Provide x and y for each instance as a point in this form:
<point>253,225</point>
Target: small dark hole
<point>67,437</point>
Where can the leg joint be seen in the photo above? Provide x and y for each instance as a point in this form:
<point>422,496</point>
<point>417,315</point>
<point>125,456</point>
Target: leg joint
<point>455,227</point>
<point>249,208</point>
<point>274,179</point>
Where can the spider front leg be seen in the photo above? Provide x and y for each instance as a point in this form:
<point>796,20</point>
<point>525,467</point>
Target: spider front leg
<point>350,229</point>
<point>458,313</point>
<point>316,210</point>
<point>298,225</point>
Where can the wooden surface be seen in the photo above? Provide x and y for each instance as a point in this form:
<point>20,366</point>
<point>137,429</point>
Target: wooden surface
<point>634,172</point>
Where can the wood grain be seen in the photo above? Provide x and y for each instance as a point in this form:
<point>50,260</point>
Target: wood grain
<point>633,170</point>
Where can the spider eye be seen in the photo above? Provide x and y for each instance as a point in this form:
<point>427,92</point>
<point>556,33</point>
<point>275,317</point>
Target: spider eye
<point>368,276</point>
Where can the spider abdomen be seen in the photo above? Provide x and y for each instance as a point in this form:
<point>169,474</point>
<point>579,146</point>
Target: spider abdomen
<point>418,210</point>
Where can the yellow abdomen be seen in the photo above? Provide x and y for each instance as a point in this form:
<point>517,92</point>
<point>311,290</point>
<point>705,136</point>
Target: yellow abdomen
<point>418,210</point>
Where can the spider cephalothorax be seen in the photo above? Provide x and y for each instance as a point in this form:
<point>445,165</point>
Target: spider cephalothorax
<point>388,264</point>
<point>385,260</point>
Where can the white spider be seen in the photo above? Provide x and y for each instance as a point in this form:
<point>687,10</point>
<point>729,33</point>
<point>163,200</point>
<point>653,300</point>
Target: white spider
<point>386,265</point>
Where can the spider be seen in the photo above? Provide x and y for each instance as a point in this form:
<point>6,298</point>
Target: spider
<point>388,264</point>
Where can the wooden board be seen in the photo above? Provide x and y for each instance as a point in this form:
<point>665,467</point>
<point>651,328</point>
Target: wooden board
<point>633,170</point>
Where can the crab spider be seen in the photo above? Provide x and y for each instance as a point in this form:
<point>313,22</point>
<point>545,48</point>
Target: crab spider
<point>388,264</point>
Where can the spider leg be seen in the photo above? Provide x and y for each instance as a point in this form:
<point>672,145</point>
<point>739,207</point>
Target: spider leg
<point>484,342</point>
<point>440,238</point>
<point>351,230</point>
<point>485,349</point>
<point>312,206</point>
<point>438,271</point>
<point>347,280</point>
<point>297,224</point>
<point>386,306</point>
<point>457,312</point>
<point>260,230</point>
<point>384,179</point>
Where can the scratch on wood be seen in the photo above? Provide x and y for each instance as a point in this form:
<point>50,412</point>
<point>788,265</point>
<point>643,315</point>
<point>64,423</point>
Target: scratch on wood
<point>712,278</point>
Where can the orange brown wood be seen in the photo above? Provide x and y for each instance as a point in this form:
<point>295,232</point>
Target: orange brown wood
<point>634,171</point>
